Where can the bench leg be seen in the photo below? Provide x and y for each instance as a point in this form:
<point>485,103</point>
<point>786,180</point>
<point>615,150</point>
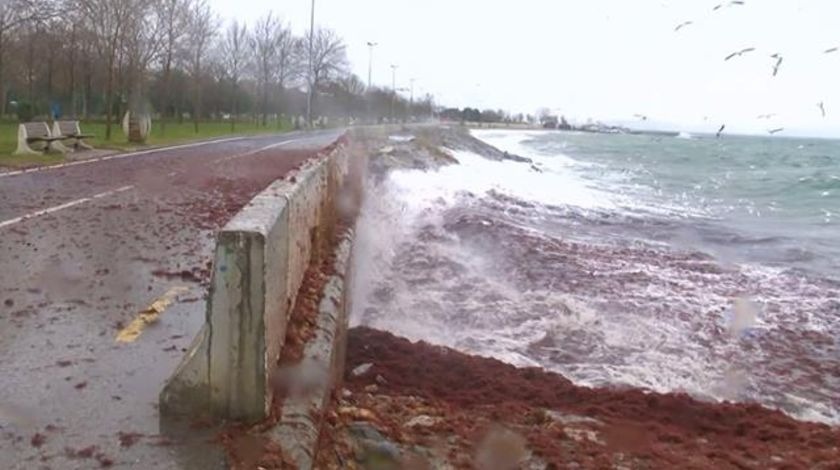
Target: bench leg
<point>81,144</point>
<point>57,146</point>
<point>23,148</point>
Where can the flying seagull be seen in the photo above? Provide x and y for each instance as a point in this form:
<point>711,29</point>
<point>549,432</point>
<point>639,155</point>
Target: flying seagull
<point>739,53</point>
<point>683,25</point>
<point>733,2</point>
<point>766,116</point>
<point>821,105</point>
<point>830,50</point>
<point>776,131</point>
<point>641,116</point>
<point>720,131</point>
<point>778,63</point>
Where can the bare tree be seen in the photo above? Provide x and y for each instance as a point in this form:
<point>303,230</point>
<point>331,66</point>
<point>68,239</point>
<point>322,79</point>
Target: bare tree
<point>287,69</point>
<point>234,56</point>
<point>13,14</point>
<point>173,15</point>
<point>329,57</point>
<point>108,20</point>
<point>267,40</point>
<point>143,40</point>
<point>202,27</point>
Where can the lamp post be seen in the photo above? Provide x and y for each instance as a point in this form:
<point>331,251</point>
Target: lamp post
<point>371,45</point>
<point>311,72</point>
<point>393,89</point>
<point>411,102</point>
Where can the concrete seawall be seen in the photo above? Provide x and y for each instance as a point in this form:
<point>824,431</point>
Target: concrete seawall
<point>260,261</point>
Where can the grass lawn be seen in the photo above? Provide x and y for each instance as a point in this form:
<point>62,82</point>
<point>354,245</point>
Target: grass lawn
<point>175,133</point>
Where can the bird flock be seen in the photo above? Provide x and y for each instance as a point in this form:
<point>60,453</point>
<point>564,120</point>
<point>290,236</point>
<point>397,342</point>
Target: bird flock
<point>777,60</point>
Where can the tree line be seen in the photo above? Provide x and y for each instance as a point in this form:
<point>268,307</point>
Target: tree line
<point>177,59</point>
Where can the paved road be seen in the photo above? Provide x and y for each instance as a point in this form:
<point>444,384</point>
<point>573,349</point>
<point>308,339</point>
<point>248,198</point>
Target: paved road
<point>84,249</point>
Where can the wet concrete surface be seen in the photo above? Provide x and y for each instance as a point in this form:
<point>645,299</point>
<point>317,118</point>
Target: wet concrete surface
<point>120,234</point>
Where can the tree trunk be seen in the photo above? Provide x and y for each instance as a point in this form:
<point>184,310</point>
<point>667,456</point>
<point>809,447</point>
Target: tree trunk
<point>72,72</point>
<point>50,60</point>
<point>88,88</point>
<point>197,104</point>
<point>2,81</point>
<point>235,110</point>
<point>30,73</point>
<point>167,72</point>
<point>109,96</point>
<point>264,103</point>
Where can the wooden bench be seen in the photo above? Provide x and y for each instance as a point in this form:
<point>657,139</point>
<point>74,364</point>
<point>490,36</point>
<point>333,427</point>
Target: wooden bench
<point>70,130</point>
<point>34,138</point>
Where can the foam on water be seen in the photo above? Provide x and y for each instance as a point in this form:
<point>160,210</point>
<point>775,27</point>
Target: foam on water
<point>482,257</point>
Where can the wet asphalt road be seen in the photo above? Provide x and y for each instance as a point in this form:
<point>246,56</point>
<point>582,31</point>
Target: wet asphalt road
<point>83,250</point>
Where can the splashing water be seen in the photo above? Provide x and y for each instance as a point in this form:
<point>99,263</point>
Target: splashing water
<point>601,279</point>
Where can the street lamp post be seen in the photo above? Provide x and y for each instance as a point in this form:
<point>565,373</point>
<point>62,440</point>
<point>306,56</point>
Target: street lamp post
<point>371,45</point>
<point>311,71</point>
<point>393,89</point>
<point>411,103</point>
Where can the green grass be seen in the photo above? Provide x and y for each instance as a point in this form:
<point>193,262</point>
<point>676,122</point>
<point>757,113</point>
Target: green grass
<point>175,133</point>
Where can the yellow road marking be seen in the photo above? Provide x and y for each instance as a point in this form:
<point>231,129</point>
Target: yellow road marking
<point>149,316</point>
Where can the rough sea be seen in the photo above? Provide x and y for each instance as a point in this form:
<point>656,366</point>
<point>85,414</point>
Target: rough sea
<point>676,264</point>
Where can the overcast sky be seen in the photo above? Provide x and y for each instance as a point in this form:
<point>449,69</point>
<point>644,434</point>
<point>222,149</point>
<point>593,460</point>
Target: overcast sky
<point>605,59</point>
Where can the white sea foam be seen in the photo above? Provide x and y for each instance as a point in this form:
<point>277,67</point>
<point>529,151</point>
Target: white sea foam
<point>457,296</point>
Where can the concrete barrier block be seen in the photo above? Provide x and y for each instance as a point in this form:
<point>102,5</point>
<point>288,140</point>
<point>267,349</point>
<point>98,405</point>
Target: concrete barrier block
<point>246,316</point>
<point>188,391</point>
<point>259,264</point>
<point>306,211</point>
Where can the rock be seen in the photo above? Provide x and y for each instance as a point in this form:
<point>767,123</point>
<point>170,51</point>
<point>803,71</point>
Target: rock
<point>362,430</point>
<point>361,370</point>
<point>346,394</point>
<point>372,388</point>
<point>373,449</point>
<point>423,421</point>
<point>357,413</point>
<point>387,150</point>
<point>502,449</point>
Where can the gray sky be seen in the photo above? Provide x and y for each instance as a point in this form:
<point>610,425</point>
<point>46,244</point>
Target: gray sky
<point>607,59</point>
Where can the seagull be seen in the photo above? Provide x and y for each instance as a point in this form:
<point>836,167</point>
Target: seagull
<point>733,2</point>
<point>641,116</point>
<point>821,105</point>
<point>830,50</point>
<point>683,25</point>
<point>766,116</point>
<point>776,131</point>
<point>739,53</point>
<point>778,63</point>
<point>720,131</point>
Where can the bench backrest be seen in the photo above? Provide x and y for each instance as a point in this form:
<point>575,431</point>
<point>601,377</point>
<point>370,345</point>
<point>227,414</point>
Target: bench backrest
<point>36,129</point>
<point>66,128</point>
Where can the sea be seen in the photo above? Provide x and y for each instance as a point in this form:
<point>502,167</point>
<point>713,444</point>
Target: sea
<point>688,264</point>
